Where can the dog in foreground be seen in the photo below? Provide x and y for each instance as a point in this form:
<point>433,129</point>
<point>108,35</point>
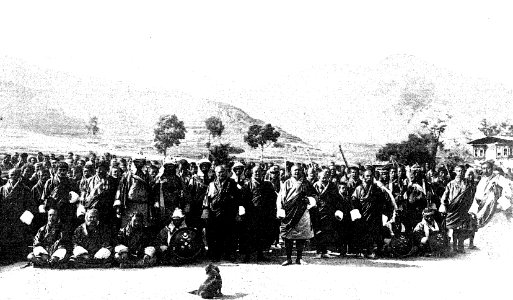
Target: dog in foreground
<point>211,287</point>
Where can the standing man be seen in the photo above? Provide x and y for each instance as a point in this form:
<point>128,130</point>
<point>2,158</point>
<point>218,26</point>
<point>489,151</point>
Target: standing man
<point>259,200</point>
<point>329,199</point>
<point>221,201</point>
<point>134,193</point>
<point>14,201</point>
<point>370,201</point>
<point>456,202</point>
<point>294,201</point>
<point>492,192</point>
<point>56,195</point>
<point>168,192</point>
<point>197,190</point>
<point>418,195</point>
<point>100,194</point>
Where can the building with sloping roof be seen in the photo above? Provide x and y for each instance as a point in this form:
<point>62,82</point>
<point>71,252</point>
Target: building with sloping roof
<point>496,148</point>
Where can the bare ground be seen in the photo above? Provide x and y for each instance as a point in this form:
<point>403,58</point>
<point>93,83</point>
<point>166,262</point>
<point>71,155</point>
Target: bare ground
<point>484,274</point>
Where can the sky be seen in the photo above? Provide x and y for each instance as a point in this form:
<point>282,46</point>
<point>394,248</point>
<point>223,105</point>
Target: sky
<point>210,48</point>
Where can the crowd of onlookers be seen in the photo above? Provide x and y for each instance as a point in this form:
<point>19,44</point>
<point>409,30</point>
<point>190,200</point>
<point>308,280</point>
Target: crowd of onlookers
<point>90,209</point>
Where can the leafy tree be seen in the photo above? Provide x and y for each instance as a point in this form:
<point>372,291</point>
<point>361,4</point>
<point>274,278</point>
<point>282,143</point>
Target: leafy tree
<point>168,133</point>
<point>261,136</point>
<point>92,126</point>
<point>414,150</point>
<point>215,128</point>
<point>489,129</point>
<point>435,130</point>
<point>220,154</point>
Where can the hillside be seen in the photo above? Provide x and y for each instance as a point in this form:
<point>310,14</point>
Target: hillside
<point>36,103</point>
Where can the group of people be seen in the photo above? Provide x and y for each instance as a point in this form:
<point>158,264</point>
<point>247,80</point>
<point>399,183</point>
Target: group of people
<point>94,210</point>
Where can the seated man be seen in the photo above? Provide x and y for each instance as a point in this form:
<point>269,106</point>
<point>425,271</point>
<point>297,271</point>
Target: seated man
<point>91,243</point>
<point>427,235</point>
<point>134,244</point>
<point>49,246</point>
<point>164,237</point>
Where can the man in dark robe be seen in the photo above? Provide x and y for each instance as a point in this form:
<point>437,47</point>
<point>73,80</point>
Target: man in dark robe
<point>259,202</point>
<point>100,194</point>
<point>222,200</point>
<point>197,190</point>
<point>91,242</point>
<point>49,247</point>
<point>56,195</point>
<point>135,244</point>
<point>168,193</point>
<point>40,218</point>
<point>134,194</point>
<point>353,179</point>
<point>418,195</point>
<point>14,202</point>
<point>456,202</point>
<point>370,200</point>
<point>325,221</point>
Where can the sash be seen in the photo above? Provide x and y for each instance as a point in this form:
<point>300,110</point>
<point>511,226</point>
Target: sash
<point>295,207</point>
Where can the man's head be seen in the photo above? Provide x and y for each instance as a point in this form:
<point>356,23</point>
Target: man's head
<point>62,169</point>
<point>7,159</point>
<point>393,173</point>
<point>296,171</point>
<point>342,188</point>
<point>14,175</point>
<point>91,217</point>
<point>44,175</point>
<point>487,168</point>
<point>354,173</point>
<point>52,217</point>
<point>115,172</point>
<point>27,171</point>
<point>205,166</point>
<point>153,171</point>
<point>102,169</point>
<point>274,172</point>
<point>88,170</point>
<point>428,214</point>
<point>368,176</point>
<point>415,172</point>
<point>325,175</point>
<point>238,169</point>
<point>177,218</point>
<point>258,173</point>
<point>221,174</point>
<point>384,174</point>
<point>137,220</point>
<point>459,172</point>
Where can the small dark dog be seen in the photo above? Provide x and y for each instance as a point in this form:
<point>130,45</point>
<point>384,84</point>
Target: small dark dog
<point>212,286</point>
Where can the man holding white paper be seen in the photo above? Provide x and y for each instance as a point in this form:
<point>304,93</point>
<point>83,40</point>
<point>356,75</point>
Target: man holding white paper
<point>49,246</point>
<point>368,201</point>
<point>16,215</point>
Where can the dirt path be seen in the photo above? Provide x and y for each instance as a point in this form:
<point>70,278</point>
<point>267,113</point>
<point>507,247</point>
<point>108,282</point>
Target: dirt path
<point>484,274</point>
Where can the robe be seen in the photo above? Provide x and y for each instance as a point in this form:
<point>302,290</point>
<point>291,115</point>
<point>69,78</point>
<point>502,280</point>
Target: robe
<point>293,199</point>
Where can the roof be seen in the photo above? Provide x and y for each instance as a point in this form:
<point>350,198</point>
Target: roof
<point>492,140</point>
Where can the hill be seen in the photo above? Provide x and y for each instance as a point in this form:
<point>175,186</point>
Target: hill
<point>44,109</point>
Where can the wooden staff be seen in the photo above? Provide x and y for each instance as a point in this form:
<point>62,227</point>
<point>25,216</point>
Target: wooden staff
<point>343,156</point>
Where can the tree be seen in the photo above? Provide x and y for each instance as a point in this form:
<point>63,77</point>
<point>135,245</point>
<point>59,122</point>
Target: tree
<point>220,154</point>
<point>215,128</point>
<point>489,129</point>
<point>168,133</point>
<point>261,136</point>
<point>435,130</point>
<point>92,126</point>
<point>414,150</point>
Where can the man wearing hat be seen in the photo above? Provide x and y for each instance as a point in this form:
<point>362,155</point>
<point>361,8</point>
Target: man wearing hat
<point>134,193</point>
<point>164,236</point>
<point>238,173</point>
